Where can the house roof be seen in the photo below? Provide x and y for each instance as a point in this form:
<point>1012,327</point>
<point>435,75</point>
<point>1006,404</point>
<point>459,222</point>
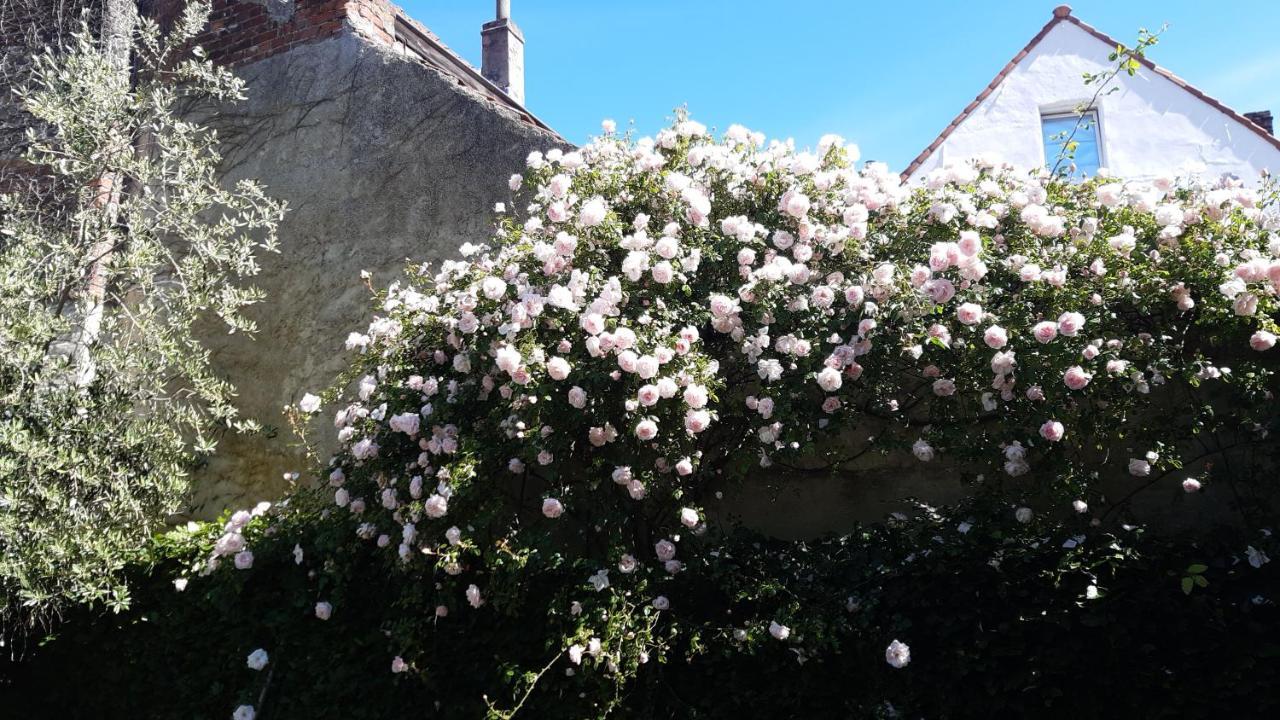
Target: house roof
<point>1062,14</point>
<point>431,49</point>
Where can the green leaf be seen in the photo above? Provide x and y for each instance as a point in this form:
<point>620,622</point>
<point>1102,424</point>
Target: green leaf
<point>1186,585</point>
<point>1197,569</point>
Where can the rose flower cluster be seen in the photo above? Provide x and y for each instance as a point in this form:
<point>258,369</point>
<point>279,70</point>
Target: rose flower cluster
<point>656,317</point>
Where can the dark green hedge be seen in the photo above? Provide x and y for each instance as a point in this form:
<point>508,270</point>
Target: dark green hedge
<point>997,621</point>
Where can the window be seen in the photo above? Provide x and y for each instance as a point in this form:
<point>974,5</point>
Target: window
<point>1072,139</point>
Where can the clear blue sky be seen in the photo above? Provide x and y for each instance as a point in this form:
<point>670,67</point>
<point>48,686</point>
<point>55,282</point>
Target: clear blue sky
<point>886,75</point>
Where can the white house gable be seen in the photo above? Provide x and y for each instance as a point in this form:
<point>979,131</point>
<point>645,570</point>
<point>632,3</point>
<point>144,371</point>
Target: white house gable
<point>1155,124</point>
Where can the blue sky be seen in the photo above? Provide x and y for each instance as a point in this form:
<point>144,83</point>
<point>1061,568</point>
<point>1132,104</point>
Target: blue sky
<point>886,75</point>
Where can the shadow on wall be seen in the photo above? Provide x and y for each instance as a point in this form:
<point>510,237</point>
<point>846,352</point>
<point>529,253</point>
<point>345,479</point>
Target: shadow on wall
<point>383,162</point>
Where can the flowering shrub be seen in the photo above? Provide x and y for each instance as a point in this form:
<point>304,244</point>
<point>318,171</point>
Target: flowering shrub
<point>531,438</point>
<point>1000,618</point>
<point>670,312</point>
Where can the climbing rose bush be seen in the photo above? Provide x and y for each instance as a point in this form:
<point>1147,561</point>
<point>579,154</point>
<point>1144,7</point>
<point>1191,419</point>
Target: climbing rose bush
<point>663,318</point>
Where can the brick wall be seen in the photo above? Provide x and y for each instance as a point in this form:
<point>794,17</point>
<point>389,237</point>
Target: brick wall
<point>244,31</point>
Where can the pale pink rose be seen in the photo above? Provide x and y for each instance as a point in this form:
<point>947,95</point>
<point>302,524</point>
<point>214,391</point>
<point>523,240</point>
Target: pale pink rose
<point>794,203</point>
<point>324,610</point>
<point>1262,341</point>
<point>662,272</point>
<point>1090,352</point>
<point>969,313</point>
<point>1191,485</point>
<point>995,337</point>
<point>779,632</point>
<point>507,358</point>
<point>436,506</point>
<point>648,395</point>
<point>695,421</point>
<point>593,323</point>
<point>558,368</point>
<point>398,665</point>
<point>1045,331</point>
<point>829,379</point>
<point>1245,304</point>
<point>592,213</point>
<point>1076,378</point>
<point>646,366</point>
<point>684,467</point>
<point>1003,362</point>
<point>557,212</point>
<point>944,387</point>
<point>695,395</point>
<point>244,560</point>
<point>406,423</point>
<point>577,397</point>
<point>1070,323</point>
<point>1052,431</point>
<point>1139,467</point>
<point>689,517</point>
<point>722,306</point>
<point>665,550</point>
<point>831,404</point>
<point>898,654</point>
<point>941,290</point>
<point>646,430</point>
<point>552,508</point>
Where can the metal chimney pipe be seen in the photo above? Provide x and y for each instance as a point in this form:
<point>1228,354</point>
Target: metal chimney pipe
<point>504,9</point>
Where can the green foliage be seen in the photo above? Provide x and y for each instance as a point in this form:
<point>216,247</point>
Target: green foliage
<point>1126,60</point>
<point>998,614</point>
<point>108,261</point>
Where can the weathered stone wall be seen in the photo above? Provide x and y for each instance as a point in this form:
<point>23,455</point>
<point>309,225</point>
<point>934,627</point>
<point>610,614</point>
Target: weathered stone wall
<point>382,160</point>
<point>797,503</point>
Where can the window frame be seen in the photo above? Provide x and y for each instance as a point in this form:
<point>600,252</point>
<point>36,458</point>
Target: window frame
<point>1059,111</point>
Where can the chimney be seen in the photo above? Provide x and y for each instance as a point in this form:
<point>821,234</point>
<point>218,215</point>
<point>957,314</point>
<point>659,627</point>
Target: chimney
<point>502,50</point>
<point>1262,119</point>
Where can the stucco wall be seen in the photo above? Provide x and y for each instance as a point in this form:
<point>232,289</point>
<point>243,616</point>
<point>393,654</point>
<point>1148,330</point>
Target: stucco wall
<point>1149,127</point>
<point>382,160</point>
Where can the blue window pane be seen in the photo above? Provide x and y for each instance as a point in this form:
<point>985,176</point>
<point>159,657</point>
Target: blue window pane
<point>1057,130</point>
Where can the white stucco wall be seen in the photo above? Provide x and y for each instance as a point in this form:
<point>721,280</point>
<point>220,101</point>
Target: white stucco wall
<point>1149,127</point>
